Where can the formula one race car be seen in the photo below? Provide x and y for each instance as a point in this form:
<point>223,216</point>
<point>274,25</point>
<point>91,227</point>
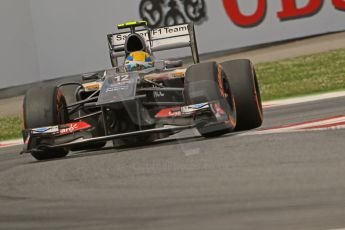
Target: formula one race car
<point>135,104</point>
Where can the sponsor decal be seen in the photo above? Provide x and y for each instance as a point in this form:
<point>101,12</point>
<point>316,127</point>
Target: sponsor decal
<point>118,83</point>
<point>73,127</point>
<point>172,12</point>
<point>169,112</point>
<point>45,130</point>
<point>41,130</point>
<point>175,113</point>
<point>339,4</point>
<point>168,31</point>
<point>193,108</point>
<point>238,18</point>
<point>178,30</point>
<point>117,88</point>
<point>290,10</point>
<point>180,111</point>
<point>119,39</point>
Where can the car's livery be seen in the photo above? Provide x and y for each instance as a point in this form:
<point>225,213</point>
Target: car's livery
<point>136,107</point>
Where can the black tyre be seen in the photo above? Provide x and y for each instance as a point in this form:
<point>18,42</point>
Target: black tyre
<point>45,106</point>
<point>206,82</point>
<point>244,84</point>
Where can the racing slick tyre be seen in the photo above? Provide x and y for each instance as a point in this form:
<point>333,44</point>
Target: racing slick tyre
<point>244,84</point>
<point>206,82</point>
<point>70,95</point>
<point>45,106</point>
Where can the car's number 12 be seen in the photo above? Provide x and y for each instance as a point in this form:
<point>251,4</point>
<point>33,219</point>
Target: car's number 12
<point>121,78</point>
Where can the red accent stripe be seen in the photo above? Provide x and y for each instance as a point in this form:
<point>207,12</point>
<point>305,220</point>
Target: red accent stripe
<point>303,123</point>
<point>73,127</point>
<point>169,112</point>
<point>9,144</point>
<point>220,81</point>
<point>325,126</point>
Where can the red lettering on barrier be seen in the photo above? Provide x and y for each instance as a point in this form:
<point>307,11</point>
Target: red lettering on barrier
<point>339,4</point>
<point>235,14</point>
<point>291,11</point>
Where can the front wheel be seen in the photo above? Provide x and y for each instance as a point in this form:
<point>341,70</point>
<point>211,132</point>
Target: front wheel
<point>206,82</point>
<point>45,106</point>
<point>244,84</point>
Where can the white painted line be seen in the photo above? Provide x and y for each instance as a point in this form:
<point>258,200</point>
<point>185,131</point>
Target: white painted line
<point>304,99</point>
<point>327,122</point>
<point>332,123</point>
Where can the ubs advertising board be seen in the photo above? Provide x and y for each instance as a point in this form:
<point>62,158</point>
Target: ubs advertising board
<point>228,24</point>
<point>69,37</point>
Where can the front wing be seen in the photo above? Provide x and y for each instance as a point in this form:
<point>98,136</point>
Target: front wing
<point>75,134</point>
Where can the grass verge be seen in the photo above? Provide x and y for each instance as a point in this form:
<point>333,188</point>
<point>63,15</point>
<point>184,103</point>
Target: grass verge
<point>310,74</point>
<point>304,75</point>
<point>10,128</point>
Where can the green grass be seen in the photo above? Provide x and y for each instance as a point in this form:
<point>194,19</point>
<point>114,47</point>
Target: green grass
<point>303,75</point>
<point>10,128</point>
<point>281,79</point>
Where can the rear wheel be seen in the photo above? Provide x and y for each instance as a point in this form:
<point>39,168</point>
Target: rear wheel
<point>206,82</point>
<point>45,106</point>
<point>244,84</point>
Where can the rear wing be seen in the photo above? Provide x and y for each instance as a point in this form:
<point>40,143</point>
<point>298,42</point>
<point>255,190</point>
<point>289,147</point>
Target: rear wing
<point>157,39</point>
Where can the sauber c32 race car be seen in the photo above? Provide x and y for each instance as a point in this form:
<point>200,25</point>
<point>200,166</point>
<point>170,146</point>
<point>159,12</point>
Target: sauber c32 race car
<point>135,107</point>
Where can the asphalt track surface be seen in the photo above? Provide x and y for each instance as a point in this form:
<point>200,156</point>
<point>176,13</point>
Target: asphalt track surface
<point>276,181</point>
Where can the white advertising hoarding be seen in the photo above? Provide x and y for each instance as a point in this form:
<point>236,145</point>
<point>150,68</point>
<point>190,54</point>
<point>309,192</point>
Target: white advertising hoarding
<point>69,37</point>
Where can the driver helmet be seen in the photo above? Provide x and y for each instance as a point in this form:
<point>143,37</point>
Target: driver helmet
<point>138,60</point>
